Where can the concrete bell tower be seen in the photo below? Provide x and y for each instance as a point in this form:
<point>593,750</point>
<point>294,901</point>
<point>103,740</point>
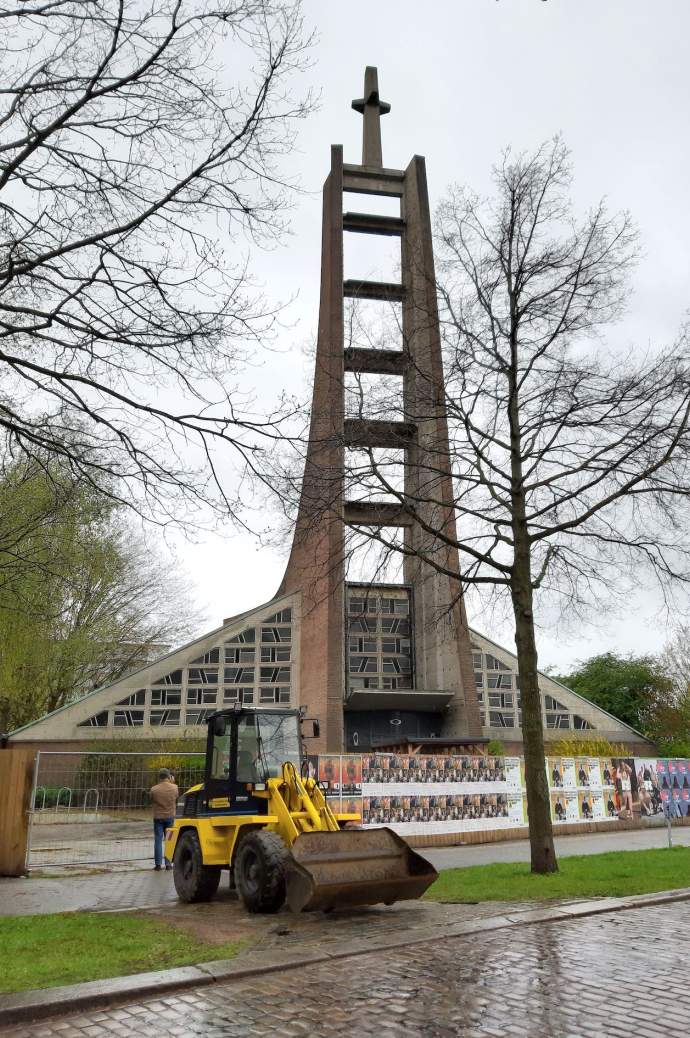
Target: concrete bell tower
<point>438,682</point>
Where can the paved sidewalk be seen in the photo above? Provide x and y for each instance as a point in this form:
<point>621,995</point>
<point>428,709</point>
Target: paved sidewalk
<point>112,889</point>
<point>616,974</point>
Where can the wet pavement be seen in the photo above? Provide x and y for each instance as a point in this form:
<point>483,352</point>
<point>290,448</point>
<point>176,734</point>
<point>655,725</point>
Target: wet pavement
<point>108,888</point>
<point>610,975</point>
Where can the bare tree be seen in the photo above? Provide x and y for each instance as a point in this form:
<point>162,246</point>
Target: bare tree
<point>135,140</point>
<point>570,463</point>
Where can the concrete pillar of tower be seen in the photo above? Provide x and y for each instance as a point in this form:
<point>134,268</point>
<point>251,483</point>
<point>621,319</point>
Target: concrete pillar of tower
<point>316,565</point>
<point>443,658</point>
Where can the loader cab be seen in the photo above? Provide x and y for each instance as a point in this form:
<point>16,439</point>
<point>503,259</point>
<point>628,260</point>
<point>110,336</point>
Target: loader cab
<point>244,749</point>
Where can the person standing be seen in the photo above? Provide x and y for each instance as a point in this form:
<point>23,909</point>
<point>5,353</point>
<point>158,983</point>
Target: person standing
<point>164,798</point>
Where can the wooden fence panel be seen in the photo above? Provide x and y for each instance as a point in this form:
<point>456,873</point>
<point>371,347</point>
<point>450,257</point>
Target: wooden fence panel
<point>16,780</point>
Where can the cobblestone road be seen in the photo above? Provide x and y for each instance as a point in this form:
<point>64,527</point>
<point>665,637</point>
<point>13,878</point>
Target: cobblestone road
<point>612,975</point>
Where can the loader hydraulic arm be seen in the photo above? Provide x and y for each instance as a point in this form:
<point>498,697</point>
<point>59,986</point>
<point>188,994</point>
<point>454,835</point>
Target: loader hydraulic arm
<point>299,805</point>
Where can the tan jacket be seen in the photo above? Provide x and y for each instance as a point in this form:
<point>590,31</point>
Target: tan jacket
<point>164,796</point>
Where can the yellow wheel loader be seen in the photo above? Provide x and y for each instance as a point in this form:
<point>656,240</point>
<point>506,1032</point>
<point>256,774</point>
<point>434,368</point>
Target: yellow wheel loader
<point>260,815</point>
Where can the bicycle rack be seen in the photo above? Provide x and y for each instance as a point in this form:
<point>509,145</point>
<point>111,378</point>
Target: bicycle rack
<point>86,799</point>
<point>68,805</point>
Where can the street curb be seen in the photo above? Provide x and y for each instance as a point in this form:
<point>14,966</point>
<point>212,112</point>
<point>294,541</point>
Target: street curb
<point>42,1003</point>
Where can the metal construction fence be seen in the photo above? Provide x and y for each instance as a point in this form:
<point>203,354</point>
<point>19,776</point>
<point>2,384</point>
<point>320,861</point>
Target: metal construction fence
<point>90,808</point>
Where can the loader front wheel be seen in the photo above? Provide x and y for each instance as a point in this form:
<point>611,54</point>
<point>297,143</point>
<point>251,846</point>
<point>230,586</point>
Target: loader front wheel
<point>194,881</point>
<point>260,866</point>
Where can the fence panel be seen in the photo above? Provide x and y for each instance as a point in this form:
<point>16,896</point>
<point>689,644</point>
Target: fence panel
<point>95,808</point>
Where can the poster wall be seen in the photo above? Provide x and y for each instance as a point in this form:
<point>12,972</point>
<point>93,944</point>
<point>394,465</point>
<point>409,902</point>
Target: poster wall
<point>429,793</point>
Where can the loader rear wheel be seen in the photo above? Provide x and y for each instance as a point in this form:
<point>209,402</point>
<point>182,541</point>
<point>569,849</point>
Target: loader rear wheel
<point>194,881</point>
<point>260,866</point>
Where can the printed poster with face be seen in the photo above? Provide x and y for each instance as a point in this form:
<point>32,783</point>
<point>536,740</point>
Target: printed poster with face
<point>663,777</point>
<point>585,804</point>
<point>598,805</point>
<point>582,773</point>
<point>329,774</point>
<point>554,771</point>
<point>558,807</point>
<point>607,773</point>
<point>351,774</point>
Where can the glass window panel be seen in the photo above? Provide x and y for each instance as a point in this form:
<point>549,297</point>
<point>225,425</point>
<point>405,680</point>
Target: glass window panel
<point>275,654</point>
<point>198,716</point>
<point>283,617</point>
<point>478,679</point>
<point>494,664</point>
<point>275,674</point>
<point>135,699</point>
<point>280,695</point>
<point>165,717</point>
<point>500,681</point>
<point>174,678</point>
<point>97,721</point>
<point>246,637</point>
<point>579,722</point>
<point>166,697</point>
<point>128,718</point>
<point>212,656</point>
<point>239,675</point>
<point>197,696</point>
<point>276,634</point>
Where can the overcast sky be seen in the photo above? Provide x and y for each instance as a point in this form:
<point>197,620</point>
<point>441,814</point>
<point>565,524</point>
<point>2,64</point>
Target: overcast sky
<point>465,78</point>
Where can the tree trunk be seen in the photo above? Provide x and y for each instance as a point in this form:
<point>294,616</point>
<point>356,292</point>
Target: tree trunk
<point>543,854</point>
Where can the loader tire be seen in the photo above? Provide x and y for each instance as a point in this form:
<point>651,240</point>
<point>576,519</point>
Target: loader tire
<point>259,871</point>
<point>193,880</point>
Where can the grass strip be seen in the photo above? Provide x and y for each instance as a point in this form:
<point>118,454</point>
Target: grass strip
<point>44,951</point>
<point>613,874</point>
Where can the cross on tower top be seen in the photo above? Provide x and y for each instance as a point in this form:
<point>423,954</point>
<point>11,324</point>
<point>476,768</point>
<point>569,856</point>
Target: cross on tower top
<point>372,108</point>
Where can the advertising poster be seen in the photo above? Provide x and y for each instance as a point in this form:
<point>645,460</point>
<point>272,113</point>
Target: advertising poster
<point>516,808</point>
<point>515,772</point>
<point>554,768</point>
<point>351,805</point>
<point>351,775</point>
<point>572,807</point>
<point>585,806</point>
<point>648,787</point>
<point>558,807</point>
<point>662,775</point>
<point>680,803</point>
<point>561,772</point>
<point>582,773</point>
<point>595,773</point>
<point>610,805</point>
<point>598,806</point>
<point>329,774</point>
<point>625,785</point>
<point>607,770</point>
<point>682,774</point>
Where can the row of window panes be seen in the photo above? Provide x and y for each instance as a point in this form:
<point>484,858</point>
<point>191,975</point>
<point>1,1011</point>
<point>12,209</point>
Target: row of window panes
<point>375,664</point>
<point>279,695</point>
<point>400,645</point>
<point>374,604</point>
<point>495,680</point>
<point>370,625</point>
<point>386,682</point>
<point>486,661</point>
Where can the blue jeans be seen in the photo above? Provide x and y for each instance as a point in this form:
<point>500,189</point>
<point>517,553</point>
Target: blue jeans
<point>159,827</point>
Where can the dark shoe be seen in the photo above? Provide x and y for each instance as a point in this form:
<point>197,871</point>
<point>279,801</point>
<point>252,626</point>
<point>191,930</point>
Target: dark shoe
<point>168,866</point>
<point>157,868</point>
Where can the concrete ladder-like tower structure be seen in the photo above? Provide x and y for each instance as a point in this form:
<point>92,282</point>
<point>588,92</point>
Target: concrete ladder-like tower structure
<point>442,666</point>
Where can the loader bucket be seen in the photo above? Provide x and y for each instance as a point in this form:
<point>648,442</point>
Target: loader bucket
<point>354,867</point>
